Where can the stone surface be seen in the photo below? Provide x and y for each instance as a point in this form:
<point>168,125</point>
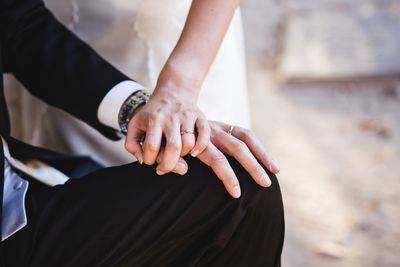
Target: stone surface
<point>341,40</point>
<point>338,146</point>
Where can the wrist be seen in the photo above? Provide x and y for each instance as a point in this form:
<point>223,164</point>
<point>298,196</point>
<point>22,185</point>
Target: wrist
<point>131,105</point>
<point>179,79</point>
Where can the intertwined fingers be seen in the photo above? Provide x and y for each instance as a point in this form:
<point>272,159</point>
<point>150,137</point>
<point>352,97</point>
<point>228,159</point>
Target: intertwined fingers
<point>180,168</point>
<point>203,136</point>
<point>188,136</point>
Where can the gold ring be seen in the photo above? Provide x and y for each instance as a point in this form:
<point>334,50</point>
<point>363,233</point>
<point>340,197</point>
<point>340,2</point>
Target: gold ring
<point>187,132</point>
<point>231,129</point>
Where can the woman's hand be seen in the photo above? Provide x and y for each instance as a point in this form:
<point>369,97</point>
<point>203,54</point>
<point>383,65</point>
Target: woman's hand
<point>172,107</point>
<point>167,112</point>
<point>244,146</point>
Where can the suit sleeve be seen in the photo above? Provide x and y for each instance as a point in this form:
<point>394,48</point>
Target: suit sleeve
<point>53,63</point>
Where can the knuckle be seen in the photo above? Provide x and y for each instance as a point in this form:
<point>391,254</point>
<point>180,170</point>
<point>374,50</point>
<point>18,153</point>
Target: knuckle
<point>219,159</point>
<point>202,126</point>
<point>154,117</point>
<point>256,170</point>
<point>186,114</point>
<point>220,134</point>
<point>174,145</point>
<point>265,155</point>
<point>172,119</point>
<point>152,147</point>
<point>246,133</point>
<point>239,145</point>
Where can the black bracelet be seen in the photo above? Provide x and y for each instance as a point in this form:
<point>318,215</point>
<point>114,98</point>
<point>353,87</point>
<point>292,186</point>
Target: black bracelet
<point>134,101</point>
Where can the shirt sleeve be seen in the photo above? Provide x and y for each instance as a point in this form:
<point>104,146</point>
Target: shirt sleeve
<point>111,104</point>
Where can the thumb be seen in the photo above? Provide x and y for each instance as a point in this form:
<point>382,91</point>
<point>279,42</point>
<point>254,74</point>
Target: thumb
<point>133,144</point>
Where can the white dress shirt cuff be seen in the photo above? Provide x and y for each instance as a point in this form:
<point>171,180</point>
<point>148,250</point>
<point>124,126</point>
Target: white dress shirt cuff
<point>111,104</point>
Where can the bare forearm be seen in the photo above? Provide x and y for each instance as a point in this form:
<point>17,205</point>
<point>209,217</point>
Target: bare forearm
<point>205,28</point>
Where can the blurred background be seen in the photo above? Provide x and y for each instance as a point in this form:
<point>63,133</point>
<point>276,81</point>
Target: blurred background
<point>324,89</point>
<point>324,81</point>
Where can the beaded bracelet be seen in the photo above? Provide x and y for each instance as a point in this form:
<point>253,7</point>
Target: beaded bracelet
<point>127,110</point>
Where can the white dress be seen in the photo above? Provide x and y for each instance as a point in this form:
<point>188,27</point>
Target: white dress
<point>137,37</point>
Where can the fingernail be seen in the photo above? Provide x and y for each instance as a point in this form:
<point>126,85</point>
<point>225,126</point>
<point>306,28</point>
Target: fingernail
<point>194,153</point>
<point>265,181</point>
<point>159,172</point>
<point>236,191</point>
<point>275,166</point>
<point>139,158</point>
<point>181,168</point>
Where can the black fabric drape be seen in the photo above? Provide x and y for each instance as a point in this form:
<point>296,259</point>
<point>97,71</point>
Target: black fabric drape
<point>129,216</point>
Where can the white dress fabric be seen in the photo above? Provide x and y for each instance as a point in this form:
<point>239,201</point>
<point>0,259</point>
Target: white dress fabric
<point>137,37</point>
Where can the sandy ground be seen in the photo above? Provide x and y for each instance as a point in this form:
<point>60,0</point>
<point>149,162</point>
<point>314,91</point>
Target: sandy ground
<point>338,145</point>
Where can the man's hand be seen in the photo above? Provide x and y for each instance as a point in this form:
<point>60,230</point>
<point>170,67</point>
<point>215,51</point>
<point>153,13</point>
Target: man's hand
<point>243,146</point>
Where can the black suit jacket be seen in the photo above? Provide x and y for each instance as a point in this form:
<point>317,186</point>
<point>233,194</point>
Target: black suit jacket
<point>55,66</point>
